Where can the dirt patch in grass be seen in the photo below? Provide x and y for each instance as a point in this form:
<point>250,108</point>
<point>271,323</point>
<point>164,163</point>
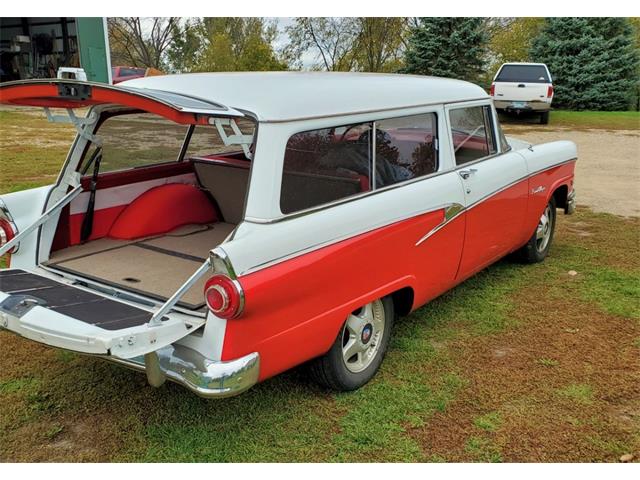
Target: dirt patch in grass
<point>586,406</point>
<point>563,384</point>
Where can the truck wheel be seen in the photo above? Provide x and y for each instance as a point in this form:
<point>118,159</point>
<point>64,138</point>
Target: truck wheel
<point>537,247</point>
<point>359,348</point>
<point>544,118</point>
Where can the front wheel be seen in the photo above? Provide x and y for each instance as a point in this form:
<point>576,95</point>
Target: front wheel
<point>538,246</point>
<point>359,349</point>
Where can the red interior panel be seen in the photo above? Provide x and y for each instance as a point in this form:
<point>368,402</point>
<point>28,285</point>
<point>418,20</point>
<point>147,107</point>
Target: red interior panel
<point>162,209</point>
<point>135,175</point>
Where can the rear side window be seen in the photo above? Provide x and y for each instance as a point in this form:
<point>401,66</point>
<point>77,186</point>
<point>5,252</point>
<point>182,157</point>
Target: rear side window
<point>472,133</point>
<point>405,148</point>
<point>523,74</point>
<point>325,165</point>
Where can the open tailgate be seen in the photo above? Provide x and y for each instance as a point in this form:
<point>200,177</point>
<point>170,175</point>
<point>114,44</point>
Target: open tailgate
<point>58,93</point>
<point>64,314</point>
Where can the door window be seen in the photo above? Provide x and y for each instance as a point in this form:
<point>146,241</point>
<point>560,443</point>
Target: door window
<point>472,133</point>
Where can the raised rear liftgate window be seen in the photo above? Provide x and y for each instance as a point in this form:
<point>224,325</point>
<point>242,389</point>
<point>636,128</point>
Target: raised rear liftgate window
<point>326,165</point>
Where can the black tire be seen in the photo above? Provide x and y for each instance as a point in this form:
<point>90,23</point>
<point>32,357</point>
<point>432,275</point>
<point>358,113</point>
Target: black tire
<point>544,118</point>
<point>330,370</point>
<point>534,251</point>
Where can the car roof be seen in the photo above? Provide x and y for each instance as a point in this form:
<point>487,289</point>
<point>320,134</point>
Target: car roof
<point>289,96</point>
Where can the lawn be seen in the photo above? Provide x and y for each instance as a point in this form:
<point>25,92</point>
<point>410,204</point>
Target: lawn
<point>519,363</point>
<point>581,120</point>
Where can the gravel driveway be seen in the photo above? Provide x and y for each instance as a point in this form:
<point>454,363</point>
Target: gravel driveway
<point>608,168</point>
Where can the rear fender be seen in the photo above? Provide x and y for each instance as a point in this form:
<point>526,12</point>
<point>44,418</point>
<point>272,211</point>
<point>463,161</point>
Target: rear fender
<point>25,207</point>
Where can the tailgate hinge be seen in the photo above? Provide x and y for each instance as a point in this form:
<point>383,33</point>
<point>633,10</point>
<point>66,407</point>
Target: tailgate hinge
<point>81,124</point>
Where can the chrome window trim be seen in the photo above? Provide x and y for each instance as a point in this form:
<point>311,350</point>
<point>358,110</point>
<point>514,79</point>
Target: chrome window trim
<point>450,210</point>
<point>359,196</point>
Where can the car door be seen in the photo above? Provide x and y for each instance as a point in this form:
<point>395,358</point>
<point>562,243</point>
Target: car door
<point>494,183</point>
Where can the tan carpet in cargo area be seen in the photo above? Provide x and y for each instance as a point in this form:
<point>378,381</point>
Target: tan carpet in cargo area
<point>156,267</point>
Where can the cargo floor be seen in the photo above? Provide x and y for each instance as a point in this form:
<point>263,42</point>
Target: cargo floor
<point>155,267</point>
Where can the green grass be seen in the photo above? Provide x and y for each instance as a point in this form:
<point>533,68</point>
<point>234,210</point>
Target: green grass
<point>489,422</point>
<point>580,393</point>
<point>603,120</point>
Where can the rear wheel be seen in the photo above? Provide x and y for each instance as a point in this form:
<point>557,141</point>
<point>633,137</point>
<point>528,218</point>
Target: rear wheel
<point>538,246</point>
<point>544,118</point>
<point>359,349</point>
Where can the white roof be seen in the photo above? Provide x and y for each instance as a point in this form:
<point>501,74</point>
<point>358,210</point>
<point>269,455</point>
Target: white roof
<point>285,96</point>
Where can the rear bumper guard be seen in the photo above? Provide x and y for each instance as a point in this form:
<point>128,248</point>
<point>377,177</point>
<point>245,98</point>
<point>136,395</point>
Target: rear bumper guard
<point>206,378</point>
<point>571,203</point>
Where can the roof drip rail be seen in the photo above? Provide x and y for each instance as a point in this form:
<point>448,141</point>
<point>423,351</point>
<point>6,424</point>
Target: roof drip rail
<point>81,124</point>
<point>238,138</point>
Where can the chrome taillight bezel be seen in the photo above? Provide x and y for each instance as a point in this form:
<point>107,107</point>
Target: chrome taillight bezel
<point>6,216</point>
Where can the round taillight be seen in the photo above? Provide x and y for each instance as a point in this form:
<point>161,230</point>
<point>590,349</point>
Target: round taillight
<point>223,296</point>
<point>6,233</point>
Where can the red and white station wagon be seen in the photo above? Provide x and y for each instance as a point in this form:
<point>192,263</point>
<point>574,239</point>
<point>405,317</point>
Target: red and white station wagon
<point>218,229</point>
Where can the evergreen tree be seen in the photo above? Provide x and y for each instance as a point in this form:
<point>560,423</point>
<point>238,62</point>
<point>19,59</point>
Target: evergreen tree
<point>593,61</point>
<point>448,47</point>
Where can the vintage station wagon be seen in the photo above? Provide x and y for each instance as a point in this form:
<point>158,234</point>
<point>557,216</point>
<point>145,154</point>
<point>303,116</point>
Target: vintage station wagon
<point>218,229</point>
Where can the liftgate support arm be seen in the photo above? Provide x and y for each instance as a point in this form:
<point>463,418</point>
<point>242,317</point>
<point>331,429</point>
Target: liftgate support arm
<point>59,205</point>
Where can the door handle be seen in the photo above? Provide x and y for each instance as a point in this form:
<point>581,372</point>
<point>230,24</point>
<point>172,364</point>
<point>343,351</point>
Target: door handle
<point>467,173</point>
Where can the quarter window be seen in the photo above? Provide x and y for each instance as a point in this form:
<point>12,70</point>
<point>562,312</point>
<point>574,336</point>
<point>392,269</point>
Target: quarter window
<point>322,166</point>
<point>405,148</point>
<point>472,133</point>
<point>330,164</point>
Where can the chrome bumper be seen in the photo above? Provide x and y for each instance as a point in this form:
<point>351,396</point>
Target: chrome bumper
<point>204,377</point>
<point>529,106</point>
<point>571,203</point>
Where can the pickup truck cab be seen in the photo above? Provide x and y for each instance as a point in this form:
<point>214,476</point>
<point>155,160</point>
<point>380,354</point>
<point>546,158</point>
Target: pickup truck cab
<point>523,88</point>
<point>218,229</point>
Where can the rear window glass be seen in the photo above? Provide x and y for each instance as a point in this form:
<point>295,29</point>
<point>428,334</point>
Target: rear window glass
<point>136,140</point>
<point>205,139</point>
<point>523,73</point>
<point>325,165</point>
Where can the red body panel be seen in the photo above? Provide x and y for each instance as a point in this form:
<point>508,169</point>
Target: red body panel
<point>494,228</point>
<point>550,180</point>
<point>295,309</point>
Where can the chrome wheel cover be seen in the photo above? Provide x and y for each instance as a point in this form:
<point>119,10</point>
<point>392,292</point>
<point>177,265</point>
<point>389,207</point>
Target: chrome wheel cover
<point>362,336</point>
<point>543,231</point>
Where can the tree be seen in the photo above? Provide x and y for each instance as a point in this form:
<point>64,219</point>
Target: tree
<point>140,42</point>
<point>226,44</point>
<point>186,44</point>
<point>593,61</point>
<point>364,44</point>
<point>511,38</point>
<point>331,39</point>
<point>448,47</point>
<point>379,43</point>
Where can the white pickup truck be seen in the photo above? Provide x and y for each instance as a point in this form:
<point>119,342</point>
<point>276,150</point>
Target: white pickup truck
<point>523,88</point>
